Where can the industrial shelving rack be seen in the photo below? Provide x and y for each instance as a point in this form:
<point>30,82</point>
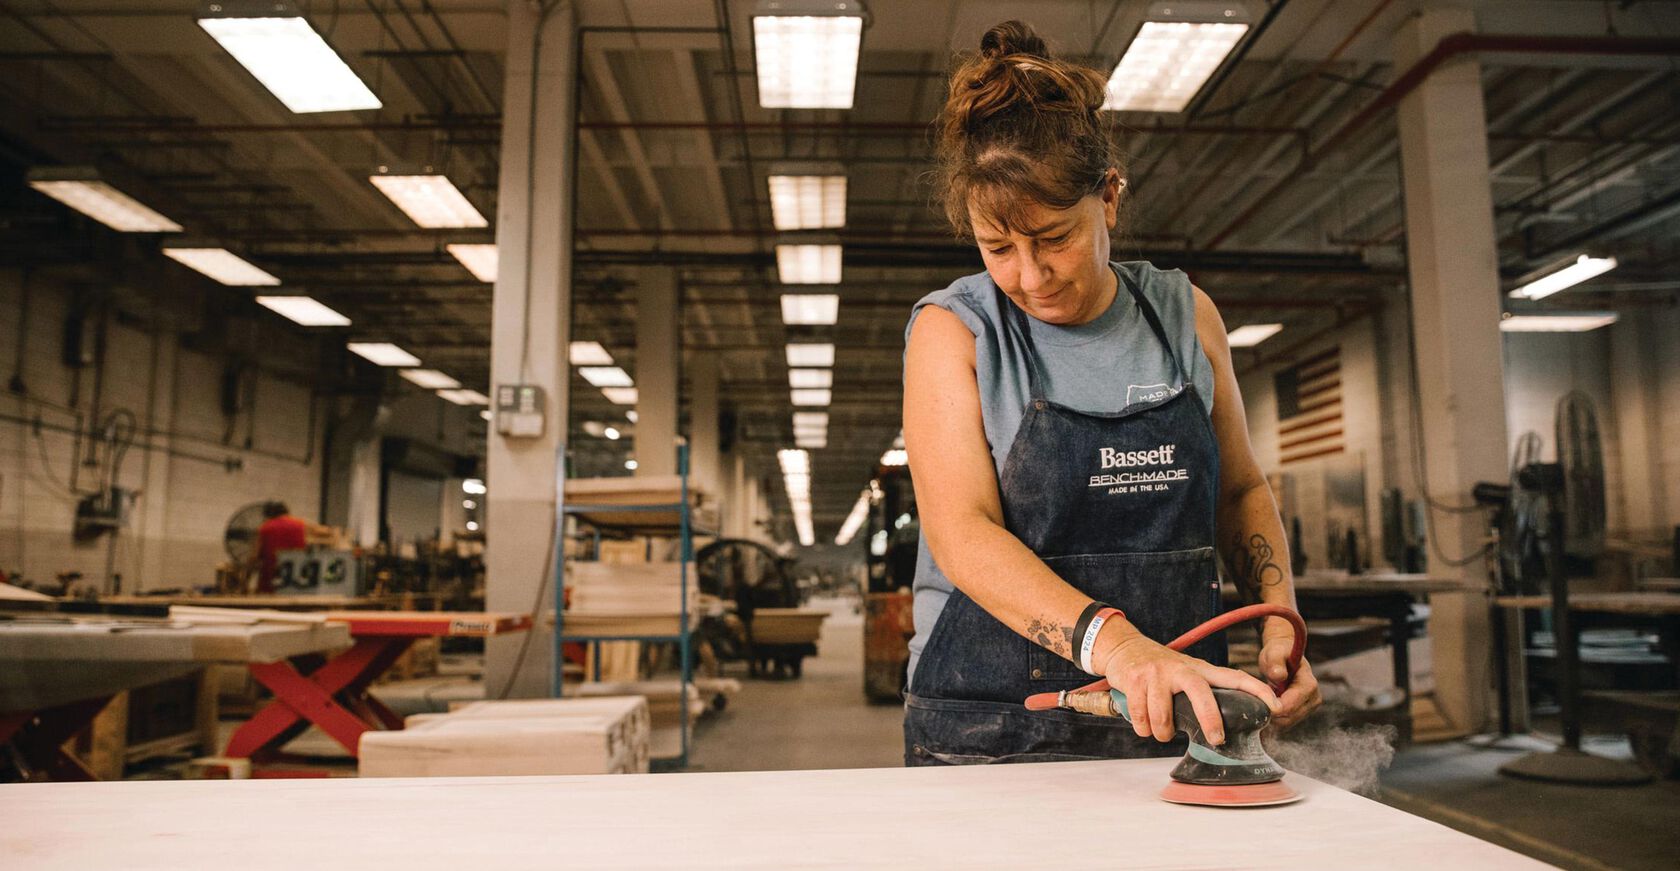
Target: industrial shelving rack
<point>655,519</point>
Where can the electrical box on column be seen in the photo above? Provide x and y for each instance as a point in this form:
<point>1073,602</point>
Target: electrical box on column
<point>520,410</point>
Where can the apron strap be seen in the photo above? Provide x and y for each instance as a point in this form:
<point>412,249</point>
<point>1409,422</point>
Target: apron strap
<point>1154,320</point>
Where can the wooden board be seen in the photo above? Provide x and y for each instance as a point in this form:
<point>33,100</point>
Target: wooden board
<point>1379,582</point>
<point>523,737</point>
<point>787,625</point>
<point>1605,603</point>
<point>1005,816</point>
<point>283,603</point>
<point>453,624</point>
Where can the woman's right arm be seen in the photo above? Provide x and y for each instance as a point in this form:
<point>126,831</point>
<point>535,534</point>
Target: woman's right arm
<point>962,518</point>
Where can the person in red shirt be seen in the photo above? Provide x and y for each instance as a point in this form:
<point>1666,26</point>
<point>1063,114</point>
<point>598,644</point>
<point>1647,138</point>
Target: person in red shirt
<point>279,531</point>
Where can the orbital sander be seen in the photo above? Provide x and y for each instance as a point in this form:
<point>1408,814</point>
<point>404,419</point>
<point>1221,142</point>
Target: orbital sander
<point>1237,773</point>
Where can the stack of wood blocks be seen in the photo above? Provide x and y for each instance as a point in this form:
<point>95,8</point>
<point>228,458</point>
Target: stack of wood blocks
<point>598,735</point>
<point>664,707</point>
<point>628,598</point>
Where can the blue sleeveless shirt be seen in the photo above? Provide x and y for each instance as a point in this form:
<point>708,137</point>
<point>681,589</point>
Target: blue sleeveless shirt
<point>1103,366</point>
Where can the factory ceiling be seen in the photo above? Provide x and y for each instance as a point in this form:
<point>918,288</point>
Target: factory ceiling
<point>1278,189</point>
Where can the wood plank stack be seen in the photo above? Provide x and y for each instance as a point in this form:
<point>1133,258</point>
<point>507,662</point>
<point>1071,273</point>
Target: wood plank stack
<point>599,735</point>
<point>664,708</point>
<point>627,598</point>
<point>787,625</point>
<point>640,490</point>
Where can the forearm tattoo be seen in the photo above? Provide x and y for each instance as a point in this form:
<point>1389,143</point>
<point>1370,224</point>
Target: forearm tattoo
<point>1051,636</point>
<point>1253,565</point>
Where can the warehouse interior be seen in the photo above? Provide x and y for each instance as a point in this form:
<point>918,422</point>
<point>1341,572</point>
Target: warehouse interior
<point>510,394</point>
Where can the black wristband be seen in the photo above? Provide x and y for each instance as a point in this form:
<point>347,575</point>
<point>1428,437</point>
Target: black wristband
<point>1084,623</point>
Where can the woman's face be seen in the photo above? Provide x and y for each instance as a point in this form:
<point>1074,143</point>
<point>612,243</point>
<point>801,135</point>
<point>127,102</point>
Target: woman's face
<point>1056,266</point>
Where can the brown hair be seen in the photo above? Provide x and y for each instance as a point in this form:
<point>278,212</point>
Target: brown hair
<point>1020,127</point>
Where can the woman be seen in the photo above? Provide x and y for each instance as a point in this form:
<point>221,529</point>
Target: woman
<point>1076,438</point>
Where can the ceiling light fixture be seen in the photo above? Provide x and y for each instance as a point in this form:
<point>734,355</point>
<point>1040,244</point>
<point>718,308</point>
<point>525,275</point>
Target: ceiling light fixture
<point>464,397</point>
<point>383,353</point>
<point>590,354</point>
<point>431,379</point>
<point>808,196</point>
<point>82,189</point>
<point>621,395</point>
<point>1554,279</point>
<point>895,457</point>
<point>479,259</point>
<point>606,376</point>
<point>1564,322</point>
<point>304,311</point>
<point>1252,334</point>
<point>812,397</point>
<point>1173,55</point>
<point>810,309</point>
<point>273,40</point>
<point>854,521</point>
<point>221,265</point>
<point>430,200</point>
<point>808,263</point>
<point>810,355</point>
<point>807,52</point>
<point>804,378</point>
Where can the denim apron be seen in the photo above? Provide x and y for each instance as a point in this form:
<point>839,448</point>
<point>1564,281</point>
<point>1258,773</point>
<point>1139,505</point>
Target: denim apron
<point>1120,506</point>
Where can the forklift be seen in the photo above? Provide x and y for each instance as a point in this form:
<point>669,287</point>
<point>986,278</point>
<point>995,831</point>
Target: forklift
<point>894,534</point>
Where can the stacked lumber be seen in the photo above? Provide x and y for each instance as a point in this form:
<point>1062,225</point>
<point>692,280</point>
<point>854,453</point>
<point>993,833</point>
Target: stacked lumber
<point>600,735</point>
<point>628,598</point>
<point>603,493</point>
<point>664,706</point>
<point>787,625</point>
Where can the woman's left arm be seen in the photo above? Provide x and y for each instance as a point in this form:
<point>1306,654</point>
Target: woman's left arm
<point>1251,537</point>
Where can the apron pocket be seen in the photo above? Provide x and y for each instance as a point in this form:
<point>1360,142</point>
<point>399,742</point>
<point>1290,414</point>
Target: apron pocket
<point>1164,595</point>
<point>964,732</point>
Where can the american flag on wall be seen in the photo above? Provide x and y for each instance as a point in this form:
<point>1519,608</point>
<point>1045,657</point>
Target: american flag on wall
<point>1309,400</point>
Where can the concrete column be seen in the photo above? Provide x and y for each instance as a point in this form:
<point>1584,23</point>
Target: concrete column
<point>530,332</point>
<point>658,371</point>
<point>704,468</point>
<point>1455,300</point>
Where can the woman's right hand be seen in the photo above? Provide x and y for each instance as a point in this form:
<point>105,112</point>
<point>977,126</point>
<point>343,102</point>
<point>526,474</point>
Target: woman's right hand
<point>1150,674</point>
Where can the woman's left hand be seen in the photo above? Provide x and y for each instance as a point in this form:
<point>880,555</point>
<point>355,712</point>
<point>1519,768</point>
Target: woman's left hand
<point>1301,696</point>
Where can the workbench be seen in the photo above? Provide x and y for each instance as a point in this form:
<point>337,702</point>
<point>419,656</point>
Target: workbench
<point>57,671</point>
<point>333,693</point>
<point>1385,595</point>
<point>1070,814</point>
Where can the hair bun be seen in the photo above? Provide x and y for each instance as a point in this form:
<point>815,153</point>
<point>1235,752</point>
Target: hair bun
<point>1013,38</point>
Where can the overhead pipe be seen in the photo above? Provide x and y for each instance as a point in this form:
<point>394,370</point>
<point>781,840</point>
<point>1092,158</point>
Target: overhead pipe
<point>1447,49</point>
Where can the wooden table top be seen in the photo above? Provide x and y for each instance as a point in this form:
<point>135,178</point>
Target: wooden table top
<point>475,624</point>
<point>280,603</point>
<point>97,637</point>
<point>1380,582</point>
<point>1003,816</point>
<point>1647,603</point>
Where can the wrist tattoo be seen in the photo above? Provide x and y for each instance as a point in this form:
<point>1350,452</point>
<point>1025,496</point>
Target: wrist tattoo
<point>1254,566</point>
<point>1051,636</point>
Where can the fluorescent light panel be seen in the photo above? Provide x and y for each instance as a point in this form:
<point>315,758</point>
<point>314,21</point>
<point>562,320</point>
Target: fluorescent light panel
<point>590,354</point>
<point>1570,322</point>
<point>807,201</point>
<point>304,311</point>
<point>816,442</point>
<point>606,376</point>
<point>620,395</point>
<point>431,379</point>
<point>432,201</point>
<point>810,418</point>
<point>805,354</point>
<point>810,309</point>
<point>1252,334</point>
<point>1168,62</point>
<point>383,353</point>
<point>464,397</point>
<point>479,259</point>
<point>854,521</point>
<point>222,265</point>
<point>895,457</point>
<point>805,60</point>
<point>807,378</point>
<point>290,59</point>
<point>1582,269</point>
<point>812,397</point>
<point>103,203</point>
<point>803,263</point>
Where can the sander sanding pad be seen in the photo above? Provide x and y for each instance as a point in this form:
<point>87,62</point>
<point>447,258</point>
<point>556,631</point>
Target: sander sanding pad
<point>1249,795</point>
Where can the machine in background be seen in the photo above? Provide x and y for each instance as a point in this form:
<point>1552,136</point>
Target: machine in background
<point>894,534</point>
